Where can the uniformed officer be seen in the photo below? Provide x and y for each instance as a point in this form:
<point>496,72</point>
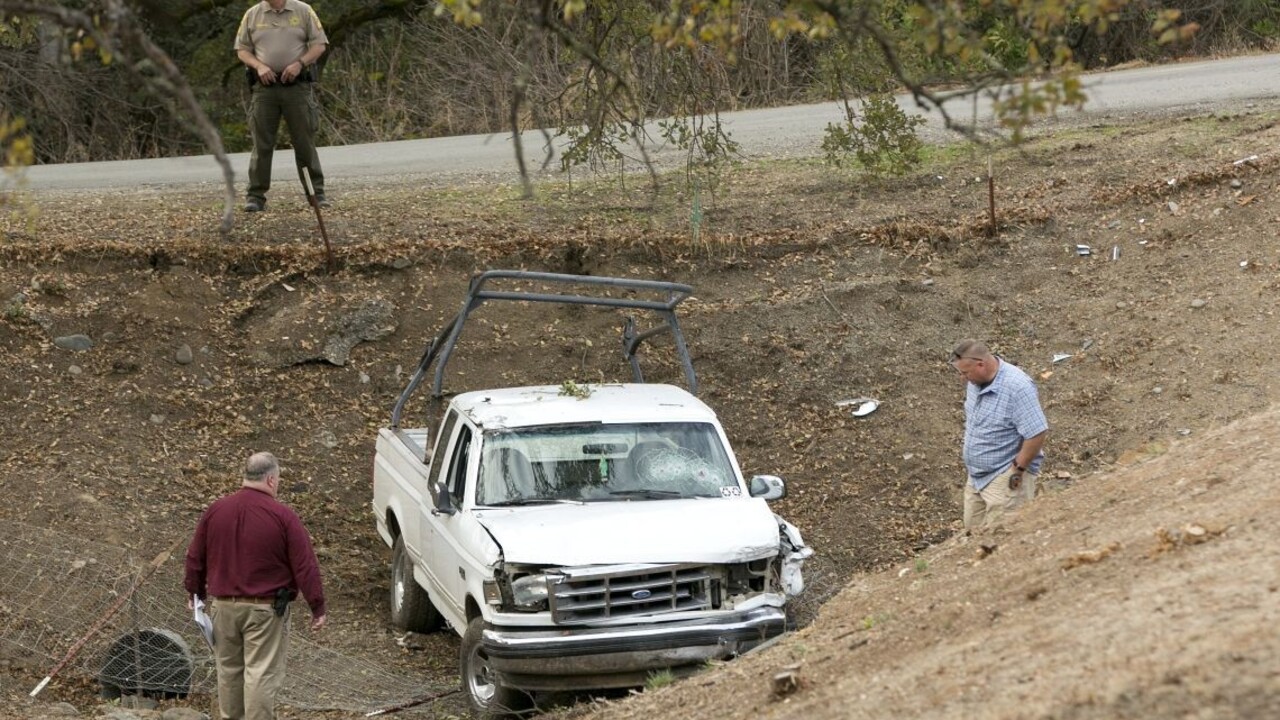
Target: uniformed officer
<point>279,42</point>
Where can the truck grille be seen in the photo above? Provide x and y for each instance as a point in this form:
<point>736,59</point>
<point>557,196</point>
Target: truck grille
<point>583,595</point>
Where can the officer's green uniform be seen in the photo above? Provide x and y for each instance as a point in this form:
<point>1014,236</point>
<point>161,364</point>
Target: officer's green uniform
<point>278,38</point>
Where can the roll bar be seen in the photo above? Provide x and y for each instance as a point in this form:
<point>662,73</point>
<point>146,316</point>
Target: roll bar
<point>442,345</point>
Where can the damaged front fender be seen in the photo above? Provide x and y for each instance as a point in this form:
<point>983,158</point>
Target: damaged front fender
<point>793,553</point>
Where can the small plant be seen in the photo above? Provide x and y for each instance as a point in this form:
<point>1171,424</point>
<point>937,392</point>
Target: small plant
<point>15,311</point>
<point>695,214</point>
<point>661,678</point>
<point>882,139</point>
<point>56,287</point>
<point>922,565</point>
<point>872,621</point>
<point>572,389</point>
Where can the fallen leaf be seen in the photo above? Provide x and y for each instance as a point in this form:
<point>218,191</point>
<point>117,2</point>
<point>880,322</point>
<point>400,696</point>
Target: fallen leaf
<point>1089,557</point>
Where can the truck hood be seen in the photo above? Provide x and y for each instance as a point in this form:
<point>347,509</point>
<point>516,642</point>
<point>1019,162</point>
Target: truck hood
<point>655,531</point>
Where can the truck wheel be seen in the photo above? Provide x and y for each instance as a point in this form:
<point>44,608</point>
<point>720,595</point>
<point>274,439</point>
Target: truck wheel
<point>488,696</point>
<point>411,608</point>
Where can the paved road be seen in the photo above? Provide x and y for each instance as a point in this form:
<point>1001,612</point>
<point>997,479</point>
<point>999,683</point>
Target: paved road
<point>796,130</point>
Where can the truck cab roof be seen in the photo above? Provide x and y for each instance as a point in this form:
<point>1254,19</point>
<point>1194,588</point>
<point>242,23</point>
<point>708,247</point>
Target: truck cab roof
<point>607,403</point>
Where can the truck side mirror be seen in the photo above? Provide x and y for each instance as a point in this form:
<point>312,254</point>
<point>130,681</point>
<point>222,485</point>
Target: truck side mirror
<point>444,501</point>
<point>769,487</point>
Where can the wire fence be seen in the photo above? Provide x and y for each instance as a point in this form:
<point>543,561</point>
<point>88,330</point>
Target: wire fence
<point>70,607</point>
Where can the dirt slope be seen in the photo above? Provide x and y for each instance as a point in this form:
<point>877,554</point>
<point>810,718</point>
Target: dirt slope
<point>811,287</point>
<point>1150,591</point>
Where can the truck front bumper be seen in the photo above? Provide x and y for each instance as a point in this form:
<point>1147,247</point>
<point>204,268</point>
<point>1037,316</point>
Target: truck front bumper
<point>623,656</point>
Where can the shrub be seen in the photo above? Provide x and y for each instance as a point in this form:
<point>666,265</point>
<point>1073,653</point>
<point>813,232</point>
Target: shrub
<point>883,139</point>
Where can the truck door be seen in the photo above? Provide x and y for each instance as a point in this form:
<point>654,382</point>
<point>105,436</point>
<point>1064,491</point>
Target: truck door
<point>445,554</point>
<point>427,532</point>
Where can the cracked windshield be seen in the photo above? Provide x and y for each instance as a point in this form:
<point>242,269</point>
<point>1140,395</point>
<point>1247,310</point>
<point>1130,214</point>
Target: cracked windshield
<point>597,463</point>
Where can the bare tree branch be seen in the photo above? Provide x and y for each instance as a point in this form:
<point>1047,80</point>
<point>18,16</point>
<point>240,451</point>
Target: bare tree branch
<point>546,18</point>
<point>517,100</point>
<point>850,25</point>
<point>120,32</point>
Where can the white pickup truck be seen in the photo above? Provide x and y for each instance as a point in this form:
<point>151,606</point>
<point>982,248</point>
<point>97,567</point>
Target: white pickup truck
<point>579,537</point>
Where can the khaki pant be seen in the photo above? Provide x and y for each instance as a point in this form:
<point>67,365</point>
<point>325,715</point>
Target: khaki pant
<point>296,105</point>
<point>249,645</point>
<point>984,508</point>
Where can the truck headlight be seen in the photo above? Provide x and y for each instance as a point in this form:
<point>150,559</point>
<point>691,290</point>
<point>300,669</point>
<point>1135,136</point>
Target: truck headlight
<point>530,592</point>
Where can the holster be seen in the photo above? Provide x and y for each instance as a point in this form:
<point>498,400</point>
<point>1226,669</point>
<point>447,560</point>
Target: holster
<point>281,602</point>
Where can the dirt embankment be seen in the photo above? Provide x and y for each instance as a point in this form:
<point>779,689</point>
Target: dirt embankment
<point>1149,591</point>
<point>811,288</point>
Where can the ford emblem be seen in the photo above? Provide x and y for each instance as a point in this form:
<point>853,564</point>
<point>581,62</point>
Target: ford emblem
<point>641,595</point>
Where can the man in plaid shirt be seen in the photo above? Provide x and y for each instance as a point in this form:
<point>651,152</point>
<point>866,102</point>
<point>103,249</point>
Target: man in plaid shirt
<point>1004,429</point>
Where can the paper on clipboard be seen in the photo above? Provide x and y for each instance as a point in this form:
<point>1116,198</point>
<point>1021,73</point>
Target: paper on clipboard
<point>202,620</point>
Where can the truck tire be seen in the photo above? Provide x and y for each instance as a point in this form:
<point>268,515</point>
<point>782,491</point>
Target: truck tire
<point>411,608</point>
<point>489,698</point>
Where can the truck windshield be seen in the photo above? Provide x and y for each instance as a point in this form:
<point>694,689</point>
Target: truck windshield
<point>598,463</point>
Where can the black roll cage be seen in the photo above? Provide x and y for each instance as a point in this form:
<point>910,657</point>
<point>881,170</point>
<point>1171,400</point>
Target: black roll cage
<point>442,345</point>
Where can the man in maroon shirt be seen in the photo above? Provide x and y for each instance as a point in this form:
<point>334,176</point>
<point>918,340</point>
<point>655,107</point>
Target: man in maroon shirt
<point>249,547</point>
